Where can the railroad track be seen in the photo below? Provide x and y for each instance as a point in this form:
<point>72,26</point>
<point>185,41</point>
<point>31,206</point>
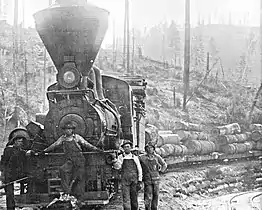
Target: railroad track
<point>178,163</point>
<point>256,201</point>
<point>246,201</point>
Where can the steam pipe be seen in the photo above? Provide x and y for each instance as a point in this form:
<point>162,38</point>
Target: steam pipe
<point>92,77</point>
<point>99,88</point>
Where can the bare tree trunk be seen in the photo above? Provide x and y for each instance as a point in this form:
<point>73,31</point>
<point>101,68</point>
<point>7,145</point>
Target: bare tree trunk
<point>260,88</point>
<point>127,38</point>
<point>24,53</point>
<point>163,49</point>
<point>3,95</point>
<point>222,68</point>
<point>26,80</point>
<point>124,39</point>
<point>15,49</point>
<point>114,45</point>
<point>247,59</point>
<point>133,51</point>
<point>187,53</point>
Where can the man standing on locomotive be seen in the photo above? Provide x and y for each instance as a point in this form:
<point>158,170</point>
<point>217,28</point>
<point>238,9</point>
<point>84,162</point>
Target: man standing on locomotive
<point>13,162</point>
<point>73,171</point>
<point>131,176</point>
<point>152,164</point>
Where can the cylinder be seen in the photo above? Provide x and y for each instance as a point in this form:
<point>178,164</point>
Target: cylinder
<point>228,149</point>
<point>169,139</point>
<point>258,145</point>
<point>151,134</point>
<point>249,145</point>
<point>160,142</point>
<point>243,137</point>
<point>207,147</point>
<point>180,150</point>
<point>256,135</point>
<point>200,147</point>
<point>226,139</point>
<point>193,146</point>
<point>236,148</point>
<point>187,135</point>
<point>165,132</point>
<point>241,147</point>
<point>253,127</point>
<point>181,125</point>
<point>203,136</point>
<point>167,150</point>
<point>229,129</point>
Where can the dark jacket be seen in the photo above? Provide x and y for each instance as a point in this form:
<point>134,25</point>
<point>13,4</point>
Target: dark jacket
<point>13,163</point>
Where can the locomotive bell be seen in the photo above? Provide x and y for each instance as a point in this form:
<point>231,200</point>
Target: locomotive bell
<point>72,36</point>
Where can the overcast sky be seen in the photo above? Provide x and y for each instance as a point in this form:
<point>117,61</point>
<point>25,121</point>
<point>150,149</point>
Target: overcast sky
<point>146,13</point>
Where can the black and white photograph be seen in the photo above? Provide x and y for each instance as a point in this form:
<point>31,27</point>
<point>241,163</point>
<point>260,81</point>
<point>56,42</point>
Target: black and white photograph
<point>130,104</point>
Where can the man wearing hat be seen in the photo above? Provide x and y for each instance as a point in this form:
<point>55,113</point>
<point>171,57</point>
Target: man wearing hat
<point>152,164</point>
<point>13,162</point>
<point>73,171</point>
<point>131,176</point>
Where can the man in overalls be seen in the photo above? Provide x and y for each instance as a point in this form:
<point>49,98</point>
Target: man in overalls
<point>151,164</point>
<point>131,176</point>
<point>13,162</point>
<point>73,171</point>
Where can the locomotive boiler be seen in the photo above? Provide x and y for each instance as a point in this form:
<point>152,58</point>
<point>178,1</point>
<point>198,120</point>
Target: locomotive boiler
<point>104,108</point>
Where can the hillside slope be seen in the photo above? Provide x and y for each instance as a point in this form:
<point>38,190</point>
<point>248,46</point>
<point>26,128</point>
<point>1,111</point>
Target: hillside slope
<point>214,102</point>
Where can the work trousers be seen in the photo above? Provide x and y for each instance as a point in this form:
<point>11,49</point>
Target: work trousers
<point>130,194</point>
<point>151,194</point>
<point>10,201</point>
<point>70,172</point>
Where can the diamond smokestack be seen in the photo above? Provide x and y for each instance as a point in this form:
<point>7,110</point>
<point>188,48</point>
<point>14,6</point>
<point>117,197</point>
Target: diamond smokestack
<point>72,34</point>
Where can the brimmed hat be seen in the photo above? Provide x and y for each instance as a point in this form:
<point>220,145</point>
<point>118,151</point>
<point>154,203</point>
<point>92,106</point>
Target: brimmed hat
<point>69,125</point>
<point>126,142</point>
<point>150,144</point>
<point>18,136</point>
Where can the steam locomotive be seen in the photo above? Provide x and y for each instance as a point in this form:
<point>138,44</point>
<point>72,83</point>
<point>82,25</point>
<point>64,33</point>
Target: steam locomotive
<point>105,108</point>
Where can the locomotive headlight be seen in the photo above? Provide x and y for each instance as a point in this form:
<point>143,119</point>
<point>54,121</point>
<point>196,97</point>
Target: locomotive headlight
<point>69,77</point>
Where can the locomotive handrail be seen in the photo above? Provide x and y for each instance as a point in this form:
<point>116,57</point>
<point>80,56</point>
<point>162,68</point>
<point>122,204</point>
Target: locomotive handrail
<point>71,92</point>
<point>61,153</point>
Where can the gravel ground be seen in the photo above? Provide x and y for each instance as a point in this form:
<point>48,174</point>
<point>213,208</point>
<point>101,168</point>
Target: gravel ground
<point>200,201</point>
<point>170,182</point>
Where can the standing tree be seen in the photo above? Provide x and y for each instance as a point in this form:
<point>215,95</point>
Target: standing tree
<point>198,51</point>
<point>174,41</point>
<point>247,58</point>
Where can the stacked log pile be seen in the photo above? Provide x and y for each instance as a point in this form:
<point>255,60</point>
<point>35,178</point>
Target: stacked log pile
<point>230,140</point>
<point>188,139</point>
<point>185,139</point>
